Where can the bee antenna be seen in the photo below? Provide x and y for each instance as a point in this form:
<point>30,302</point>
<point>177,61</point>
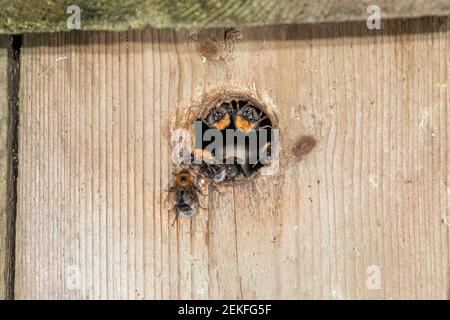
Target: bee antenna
<point>231,109</point>
<point>264,127</point>
<point>262,119</point>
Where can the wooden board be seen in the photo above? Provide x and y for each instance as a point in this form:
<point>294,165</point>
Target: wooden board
<point>4,230</point>
<point>364,215</point>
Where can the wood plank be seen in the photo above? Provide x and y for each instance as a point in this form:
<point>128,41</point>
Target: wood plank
<point>5,262</point>
<point>370,201</point>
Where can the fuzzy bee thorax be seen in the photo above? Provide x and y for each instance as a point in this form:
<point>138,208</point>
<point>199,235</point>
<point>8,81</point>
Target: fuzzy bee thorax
<point>184,180</point>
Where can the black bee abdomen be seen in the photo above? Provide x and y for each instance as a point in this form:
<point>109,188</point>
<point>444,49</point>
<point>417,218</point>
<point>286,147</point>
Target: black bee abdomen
<point>186,203</point>
<point>186,211</point>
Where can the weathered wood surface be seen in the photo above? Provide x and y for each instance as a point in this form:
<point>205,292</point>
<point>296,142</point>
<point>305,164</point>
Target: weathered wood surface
<point>97,113</point>
<point>4,230</point>
<point>18,16</point>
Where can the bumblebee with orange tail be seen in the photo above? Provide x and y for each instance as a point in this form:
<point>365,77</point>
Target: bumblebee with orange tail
<point>186,195</point>
<point>221,117</point>
<point>248,118</point>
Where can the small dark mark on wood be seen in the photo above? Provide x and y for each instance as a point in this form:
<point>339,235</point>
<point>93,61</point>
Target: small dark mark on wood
<point>303,146</point>
<point>208,49</point>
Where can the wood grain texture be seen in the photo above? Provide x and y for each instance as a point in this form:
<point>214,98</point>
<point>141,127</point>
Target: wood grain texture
<point>373,195</point>
<point>4,232</point>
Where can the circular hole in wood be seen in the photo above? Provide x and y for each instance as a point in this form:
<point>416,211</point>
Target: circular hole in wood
<point>234,139</point>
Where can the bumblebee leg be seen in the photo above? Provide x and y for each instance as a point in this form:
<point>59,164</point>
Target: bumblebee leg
<point>246,104</point>
<point>262,119</point>
<point>171,189</point>
<point>166,200</point>
<point>176,218</point>
<point>214,187</point>
<point>199,191</point>
<point>197,199</point>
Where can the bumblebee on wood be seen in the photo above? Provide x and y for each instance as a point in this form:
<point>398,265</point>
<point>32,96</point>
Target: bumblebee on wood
<point>185,193</point>
<point>220,117</point>
<point>223,172</point>
<point>211,170</point>
<point>216,173</point>
<point>248,118</point>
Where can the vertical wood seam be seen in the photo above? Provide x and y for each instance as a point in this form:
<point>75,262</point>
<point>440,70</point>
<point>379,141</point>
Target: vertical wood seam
<point>13,64</point>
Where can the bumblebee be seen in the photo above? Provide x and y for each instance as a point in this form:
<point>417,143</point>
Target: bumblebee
<point>186,191</point>
<point>248,118</point>
<point>218,173</point>
<point>210,169</point>
<point>221,117</point>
